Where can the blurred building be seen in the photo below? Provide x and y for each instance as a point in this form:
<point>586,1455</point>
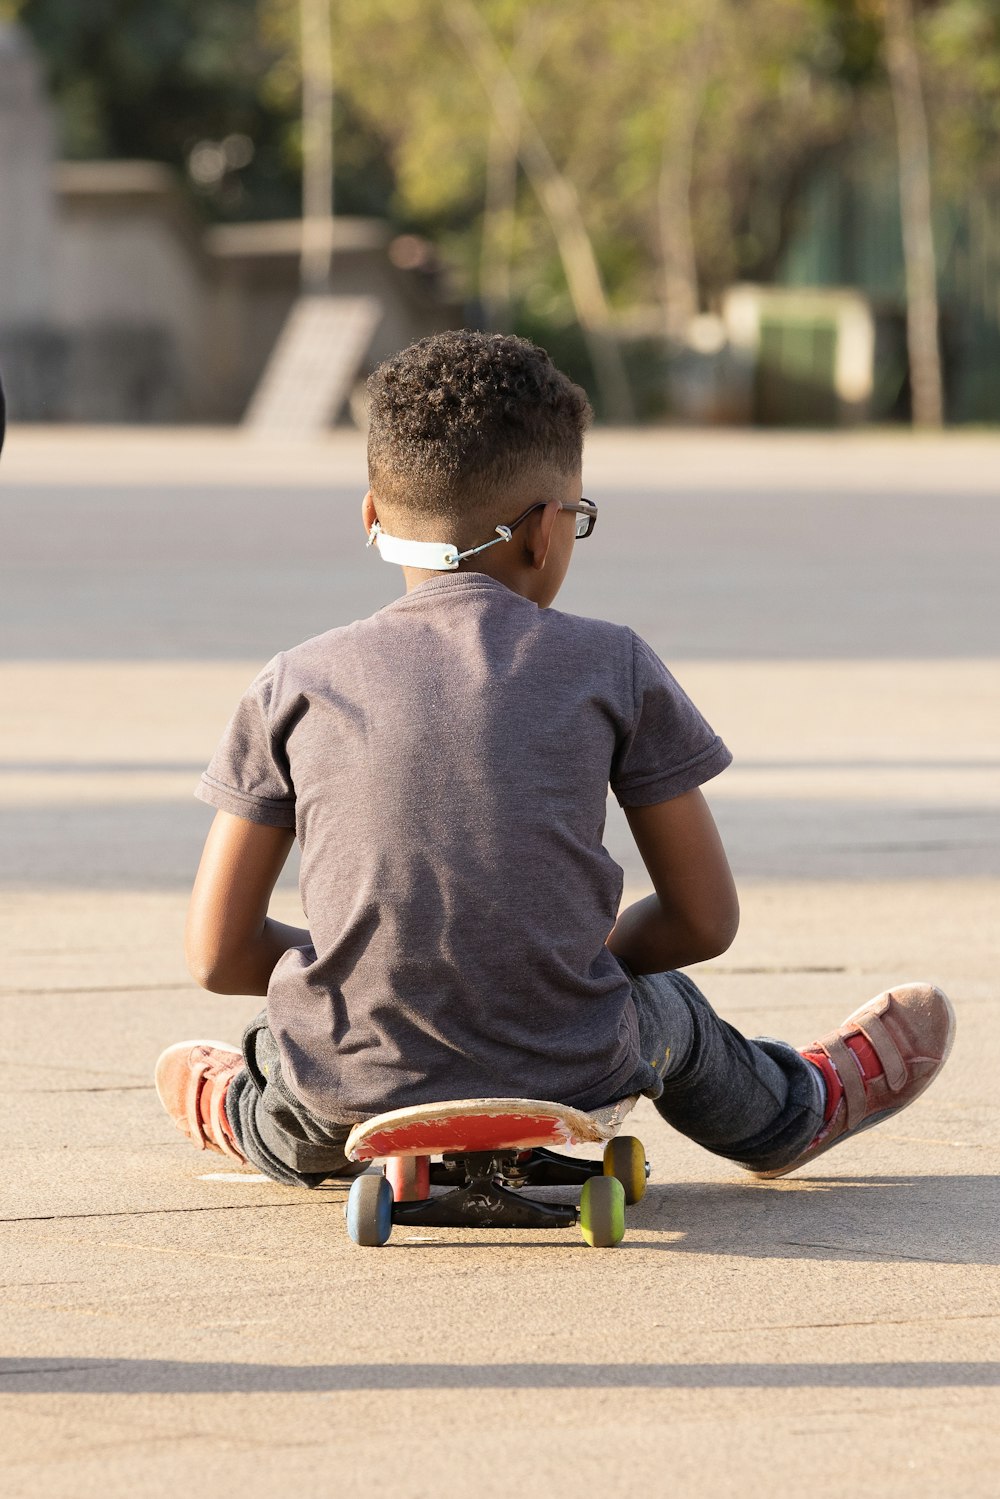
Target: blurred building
<point>848,233</point>
<point>826,343</point>
<point>118,304</point>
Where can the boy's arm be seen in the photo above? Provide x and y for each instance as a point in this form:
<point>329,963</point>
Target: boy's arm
<point>230,942</point>
<point>695,912</point>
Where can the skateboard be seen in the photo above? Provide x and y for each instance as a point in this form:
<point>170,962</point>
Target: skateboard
<point>485,1151</point>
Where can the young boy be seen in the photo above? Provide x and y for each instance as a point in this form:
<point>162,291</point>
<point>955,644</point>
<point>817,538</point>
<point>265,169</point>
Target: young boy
<point>445,767</point>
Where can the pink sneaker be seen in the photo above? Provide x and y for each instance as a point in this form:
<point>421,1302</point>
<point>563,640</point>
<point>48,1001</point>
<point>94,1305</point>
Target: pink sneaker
<point>878,1062</point>
<point>192,1080</point>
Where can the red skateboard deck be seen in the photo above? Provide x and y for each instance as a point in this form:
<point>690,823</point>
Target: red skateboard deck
<point>482,1124</point>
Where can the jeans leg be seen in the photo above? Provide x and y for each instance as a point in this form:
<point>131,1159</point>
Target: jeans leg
<point>756,1102</point>
<point>276,1132</point>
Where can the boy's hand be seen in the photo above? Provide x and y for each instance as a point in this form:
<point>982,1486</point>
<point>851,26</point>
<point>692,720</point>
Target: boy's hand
<point>695,912</point>
<point>230,942</point>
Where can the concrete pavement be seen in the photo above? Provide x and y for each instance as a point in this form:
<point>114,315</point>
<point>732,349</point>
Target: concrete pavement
<point>170,1322</point>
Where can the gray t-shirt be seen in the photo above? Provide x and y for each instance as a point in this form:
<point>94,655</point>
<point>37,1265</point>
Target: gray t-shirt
<point>445,765</point>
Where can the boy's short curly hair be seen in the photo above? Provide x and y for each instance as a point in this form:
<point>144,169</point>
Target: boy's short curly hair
<point>459,419</point>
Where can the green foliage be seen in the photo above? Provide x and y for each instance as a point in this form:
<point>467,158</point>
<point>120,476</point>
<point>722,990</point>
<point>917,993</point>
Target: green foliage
<point>157,78</point>
<point>748,98</point>
<point>961,42</point>
<point>853,39</point>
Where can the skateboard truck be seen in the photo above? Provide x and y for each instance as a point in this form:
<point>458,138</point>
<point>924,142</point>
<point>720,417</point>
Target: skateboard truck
<point>485,1200</point>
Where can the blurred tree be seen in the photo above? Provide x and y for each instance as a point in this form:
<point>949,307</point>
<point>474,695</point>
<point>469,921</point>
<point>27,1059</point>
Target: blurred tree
<point>684,132</point>
<point>767,127</point>
<point>201,84</point>
<point>499,224</point>
<point>556,195</point>
<point>316,73</point>
<point>960,59</point>
<point>902,57</point>
<point>626,160</point>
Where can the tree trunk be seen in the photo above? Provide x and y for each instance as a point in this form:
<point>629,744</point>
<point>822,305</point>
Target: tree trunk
<point>679,273</point>
<point>559,200</point>
<point>316,46</point>
<point>499,219</point>
<point>903,63</point>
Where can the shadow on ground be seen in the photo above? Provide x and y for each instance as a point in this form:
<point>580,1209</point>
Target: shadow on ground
<point>40,1376</point>
<point>941,1220</point>
<point>156,845</point>
<point>949,1220</point>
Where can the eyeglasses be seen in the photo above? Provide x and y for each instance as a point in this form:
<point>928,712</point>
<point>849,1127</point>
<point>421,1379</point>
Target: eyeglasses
<point>585,512</point>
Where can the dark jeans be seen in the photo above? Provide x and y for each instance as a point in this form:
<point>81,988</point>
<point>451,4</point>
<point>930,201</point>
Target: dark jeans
<point>756,1102</point>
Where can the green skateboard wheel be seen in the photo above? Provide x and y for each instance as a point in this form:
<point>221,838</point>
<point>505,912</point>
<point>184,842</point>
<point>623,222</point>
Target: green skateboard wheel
<point>602,1212</point>
<point>625,1159</point>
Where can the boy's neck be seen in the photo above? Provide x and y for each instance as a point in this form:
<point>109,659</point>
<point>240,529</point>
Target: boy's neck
<point>536,557</point>
<point>526,587</point>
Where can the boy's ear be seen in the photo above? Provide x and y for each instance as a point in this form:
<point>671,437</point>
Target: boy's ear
<point>369,515</point>
<point>539,538</point>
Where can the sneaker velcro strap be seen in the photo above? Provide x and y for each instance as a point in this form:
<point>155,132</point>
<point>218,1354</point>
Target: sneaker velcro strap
<point>220,1134</point>
<point>887,1052</point>
<point>192,1105</point>
<point>849,1073</point>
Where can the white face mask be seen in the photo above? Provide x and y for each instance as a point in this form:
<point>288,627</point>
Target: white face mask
<point>435,556</point>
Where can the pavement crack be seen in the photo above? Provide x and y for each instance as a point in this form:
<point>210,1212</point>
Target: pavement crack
<point>112,1088</point>
<point>20,1285</point>
<point>222,1207</point>
<point>60,1368</point>
<point>889,1257</point>
<point>780,968</point>
<point>867,1322</point>
<point>97,989</point>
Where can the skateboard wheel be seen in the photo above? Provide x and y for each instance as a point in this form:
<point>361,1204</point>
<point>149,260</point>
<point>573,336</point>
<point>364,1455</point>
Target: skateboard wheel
<point>602,1212</point>
<point>369,1209</point>
<point>625,1159</point>
<point>409,1176</point>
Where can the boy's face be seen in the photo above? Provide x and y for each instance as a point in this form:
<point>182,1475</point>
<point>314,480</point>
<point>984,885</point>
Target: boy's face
<point>561,539</point>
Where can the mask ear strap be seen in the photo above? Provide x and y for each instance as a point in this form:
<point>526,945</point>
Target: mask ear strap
<point>435,556</point>
<point>503,534</point>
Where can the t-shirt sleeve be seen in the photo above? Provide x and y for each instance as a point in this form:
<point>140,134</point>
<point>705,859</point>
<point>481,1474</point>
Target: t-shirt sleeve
<point>668,748</point>
<point>249,773</point>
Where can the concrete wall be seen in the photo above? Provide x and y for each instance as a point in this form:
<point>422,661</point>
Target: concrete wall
<point>27,206</point>
<point>117,303</point>
<point>166,319</point>
<point>256,280</point>
<point>133,287</point>
<point>31,351</point>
